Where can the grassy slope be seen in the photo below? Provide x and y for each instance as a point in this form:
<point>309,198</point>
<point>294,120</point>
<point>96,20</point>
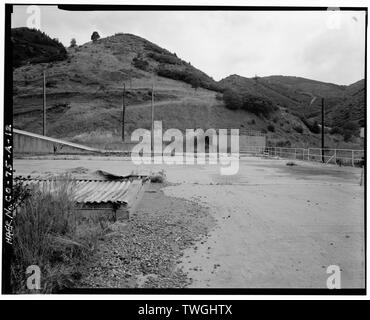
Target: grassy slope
<point>352,108</point>
<point>84,98</point>
<point>294,93</point>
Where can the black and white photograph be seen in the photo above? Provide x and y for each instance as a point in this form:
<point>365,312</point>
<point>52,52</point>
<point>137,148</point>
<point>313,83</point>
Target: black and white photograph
<point>174,149</point>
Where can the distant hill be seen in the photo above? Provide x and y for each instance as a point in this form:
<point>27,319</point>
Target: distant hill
<point>34,46</point>
<point>352,108</point>
<point>84,94</point>
<point>342,103</point>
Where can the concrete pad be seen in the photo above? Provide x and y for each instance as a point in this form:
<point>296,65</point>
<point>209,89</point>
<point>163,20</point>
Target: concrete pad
<point>277,226</point>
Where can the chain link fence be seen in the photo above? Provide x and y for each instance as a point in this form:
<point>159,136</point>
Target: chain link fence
<point>347,157</point>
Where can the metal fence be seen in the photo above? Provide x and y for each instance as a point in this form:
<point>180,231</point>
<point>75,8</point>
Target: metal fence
<point>346,157</point>
<point>250,132</point>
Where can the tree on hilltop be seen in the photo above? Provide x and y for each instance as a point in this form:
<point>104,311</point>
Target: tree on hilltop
<point>95,36</point>
<point>73,43</point>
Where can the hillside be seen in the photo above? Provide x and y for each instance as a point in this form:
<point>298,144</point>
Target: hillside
<point>352,108</point>
<point>342,103</point>
<point>84,94</point>
<point>33,46</point>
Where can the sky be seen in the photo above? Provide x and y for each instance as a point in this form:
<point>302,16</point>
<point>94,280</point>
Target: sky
<point>321,45</point>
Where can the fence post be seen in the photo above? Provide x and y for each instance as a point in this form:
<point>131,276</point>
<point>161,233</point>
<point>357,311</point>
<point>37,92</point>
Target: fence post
<point>308,154</point>
<point>335,155</point>
<point>353,158</point>
<point>295,153</point>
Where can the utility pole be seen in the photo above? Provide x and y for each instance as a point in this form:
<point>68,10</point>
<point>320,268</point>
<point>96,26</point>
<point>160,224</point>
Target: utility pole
<point>44,107</point>
<point>123,111</point>
<point>322,130</point>
<point>152,135</point>
<point>130,78</point>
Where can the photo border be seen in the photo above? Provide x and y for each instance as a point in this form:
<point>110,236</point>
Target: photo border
<point>8,161</point>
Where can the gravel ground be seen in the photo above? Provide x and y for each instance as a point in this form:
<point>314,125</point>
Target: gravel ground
<point>146,250</point>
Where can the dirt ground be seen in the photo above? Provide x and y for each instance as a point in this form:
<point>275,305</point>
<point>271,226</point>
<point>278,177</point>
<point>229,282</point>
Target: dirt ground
<point>275,225</point>
<point>146,250</point>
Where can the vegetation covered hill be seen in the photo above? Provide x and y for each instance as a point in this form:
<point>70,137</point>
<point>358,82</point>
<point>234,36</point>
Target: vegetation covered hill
<point>34,46</point>
<point>344,105</point>
<point>352,108</point>
<point>84,96</point>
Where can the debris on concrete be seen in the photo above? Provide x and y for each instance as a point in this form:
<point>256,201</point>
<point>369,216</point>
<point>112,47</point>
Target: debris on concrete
<point>291,164</point>
<point>146,250</point>
<point>159,177</point>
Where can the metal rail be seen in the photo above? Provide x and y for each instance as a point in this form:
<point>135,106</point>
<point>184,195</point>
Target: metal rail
<point>336,156</point>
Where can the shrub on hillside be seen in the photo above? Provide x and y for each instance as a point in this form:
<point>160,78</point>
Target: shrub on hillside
<point>232,99</point>
<point>347,135</point>
<point>51,84</point>
<point>140,63</point>
<point>219,97</point>
<point>257,105</point>
<point>154,48</point>
<point>174,74</point>
<point>164,58</point>
<point>351,126</point>
<point>195,82</point>
<point>181,75</point>
<point>313,127</point>
<point>283,143</point>
<point>336,130</point>
<point>350,129</point>
<point>189,75</point>
<point>271,128</point>
<point>298,129</point>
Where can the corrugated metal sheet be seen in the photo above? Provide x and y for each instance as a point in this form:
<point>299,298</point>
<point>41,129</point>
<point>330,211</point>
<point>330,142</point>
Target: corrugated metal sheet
<point>91,191</point>
<point>87,175</point>
<point>106,191</point>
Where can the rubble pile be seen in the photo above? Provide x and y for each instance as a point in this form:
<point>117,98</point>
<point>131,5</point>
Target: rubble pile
<point>145,251</point>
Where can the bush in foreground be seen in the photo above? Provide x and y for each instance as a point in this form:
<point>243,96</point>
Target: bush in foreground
<point>48,234</point>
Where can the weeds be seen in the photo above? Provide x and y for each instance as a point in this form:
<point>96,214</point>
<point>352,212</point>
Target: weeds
<point>159,177</point>
<point>49,234</point>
